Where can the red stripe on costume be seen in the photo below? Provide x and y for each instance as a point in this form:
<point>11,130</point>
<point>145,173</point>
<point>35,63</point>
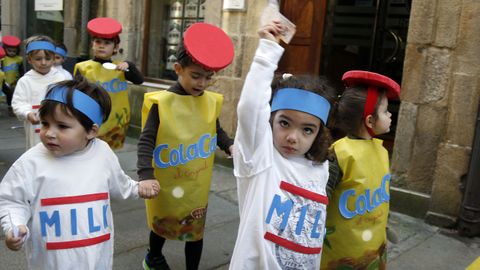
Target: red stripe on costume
<point>78,243</point>
<point>291,245</point>
<point>37,130</point>
<point>74,199</point>
<point>35,107</point>
<point>304,193</point>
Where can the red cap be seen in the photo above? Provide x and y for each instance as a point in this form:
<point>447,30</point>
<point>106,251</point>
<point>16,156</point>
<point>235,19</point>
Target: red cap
<point>208,46</point>
<point>11,41</point>
<point>104,27</point>
<point>2,52</point>
<point>367,78</point>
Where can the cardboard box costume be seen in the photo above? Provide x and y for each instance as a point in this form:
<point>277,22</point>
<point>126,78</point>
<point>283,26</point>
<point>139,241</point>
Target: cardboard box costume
<point>358,210</point>
<point>114,130</point>
<point>186,141</point>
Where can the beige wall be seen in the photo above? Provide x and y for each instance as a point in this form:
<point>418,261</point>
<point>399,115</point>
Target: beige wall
<point>440,97</point>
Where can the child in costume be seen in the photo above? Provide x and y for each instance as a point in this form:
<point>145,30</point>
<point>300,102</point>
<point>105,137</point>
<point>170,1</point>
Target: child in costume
<point>177,144</point>
<point>105,33</point>
<point>2,75</point>
<point>32,87</point>
<point>280,162</point>
<point>12,65</point>
<point>359,194</point>
<point>56,197</point>
<point>60,55</point>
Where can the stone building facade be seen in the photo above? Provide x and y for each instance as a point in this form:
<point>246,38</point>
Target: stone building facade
<point>440,86</point>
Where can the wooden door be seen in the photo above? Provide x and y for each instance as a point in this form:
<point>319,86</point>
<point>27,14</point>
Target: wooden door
<point>303,53</point>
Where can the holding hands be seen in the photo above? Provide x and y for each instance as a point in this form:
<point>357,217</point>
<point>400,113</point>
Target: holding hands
<point>148,189</point>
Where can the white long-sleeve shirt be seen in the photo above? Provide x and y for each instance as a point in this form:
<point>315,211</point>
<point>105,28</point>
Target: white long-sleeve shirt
<point>65,203</point>
<point>30,90</point>
<point>281,201</point>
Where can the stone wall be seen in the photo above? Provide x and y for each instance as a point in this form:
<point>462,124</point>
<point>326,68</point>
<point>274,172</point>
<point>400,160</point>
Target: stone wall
<point>440,97</point>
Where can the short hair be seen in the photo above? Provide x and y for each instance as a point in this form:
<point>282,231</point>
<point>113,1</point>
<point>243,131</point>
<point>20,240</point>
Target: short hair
<point>94,91</point>
<point>348,115</point>
<point>40,38</point>
<point>182,56</point>
<point>319,85</point>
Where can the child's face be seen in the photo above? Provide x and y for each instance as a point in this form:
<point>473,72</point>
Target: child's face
<point>103,48</point>
<point>59,60</point>
<point>40,61</point>
<point>194,79</point>
<point>383,121</point>
<point>11,51</point>
<point>294,132</point>
<point>63,134</point>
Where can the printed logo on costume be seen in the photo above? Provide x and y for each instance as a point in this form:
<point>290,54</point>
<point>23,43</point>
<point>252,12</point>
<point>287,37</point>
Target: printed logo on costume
<point>203,148</point>
<point>75,221</point>
<point>296,220</point>
<point>366,202</point>
<point>11,67</point>
<point>114,86</point>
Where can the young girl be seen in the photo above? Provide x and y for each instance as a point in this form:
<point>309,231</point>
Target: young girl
<point>106,40</point>
<point>32,87</point>
<point>280,162</point>
<point>12,65</point>
<point>56,196</point>
<point>359,195</point>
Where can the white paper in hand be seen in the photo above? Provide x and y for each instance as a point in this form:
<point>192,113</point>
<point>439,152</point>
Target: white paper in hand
<point>271,13</point>
<point>15,231</point>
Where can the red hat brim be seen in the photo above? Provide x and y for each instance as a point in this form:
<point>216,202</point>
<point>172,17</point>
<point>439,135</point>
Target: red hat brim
<point>2,53</point>
<point>104,27</point>
<point>209,46</point>
<point>356,77</point>
<point>11,41</point>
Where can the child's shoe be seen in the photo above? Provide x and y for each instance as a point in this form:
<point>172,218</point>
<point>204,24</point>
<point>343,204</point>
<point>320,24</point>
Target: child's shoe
<point>155,263</point>
<point>10,111</point>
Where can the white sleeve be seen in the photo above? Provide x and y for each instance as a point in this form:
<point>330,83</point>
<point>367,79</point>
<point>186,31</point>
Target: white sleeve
<point>121,185</point>
<point>254,135</point>
<point>14,199</point>
<point>20,101</point>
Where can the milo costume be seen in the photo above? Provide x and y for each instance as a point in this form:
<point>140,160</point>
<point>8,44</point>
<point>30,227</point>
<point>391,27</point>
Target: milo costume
<point>359,206</point>
<point>12,65</point>
<point>185,141</point>
<point>114,130</point>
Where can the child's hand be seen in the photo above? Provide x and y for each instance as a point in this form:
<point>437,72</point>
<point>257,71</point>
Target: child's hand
<point>33,118</point>
<point>271,31</point>
<point>231,149</point>
<point>148,189</point>
<point>123,66</point>
<point>16,243</point>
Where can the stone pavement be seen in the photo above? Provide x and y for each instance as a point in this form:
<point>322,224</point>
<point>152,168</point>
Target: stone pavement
<point>420,246</point>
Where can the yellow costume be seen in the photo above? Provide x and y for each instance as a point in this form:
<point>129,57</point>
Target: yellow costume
<point>358,210</point>
<point>183,162</point>
<point>11,66</point>
<point>114,130</point>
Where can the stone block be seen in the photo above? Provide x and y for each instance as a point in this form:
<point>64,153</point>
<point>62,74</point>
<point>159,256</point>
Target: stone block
<point>413,66</point>
<point>404,136</point>
<point>430,128</point>
<point>422,22</point>
<point>448,17</point>
<point>463,107</point>
<point>451,166</point>
<point>467,53</point>
<point>436,75</point>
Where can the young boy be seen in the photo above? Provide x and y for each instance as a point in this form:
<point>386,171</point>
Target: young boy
<point>180,135</point>
<point>60,55</point>
<point>12,65</point>
<point>106,40</point>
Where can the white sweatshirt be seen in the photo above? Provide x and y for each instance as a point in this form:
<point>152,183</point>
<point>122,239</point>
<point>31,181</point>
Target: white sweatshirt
<point>30,90</point>
<point>65,203</point>
<point>281,201</point>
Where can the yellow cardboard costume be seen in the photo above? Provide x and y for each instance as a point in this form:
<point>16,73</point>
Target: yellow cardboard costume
<point>11,66</point>
<point>183,162</point>
<point>114,130</point>
<point>358,211</point>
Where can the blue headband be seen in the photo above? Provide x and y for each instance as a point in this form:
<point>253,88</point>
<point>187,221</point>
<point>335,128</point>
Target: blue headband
<point>301,100</point>
<point>61,52</point>
<point>40,45</point>
<point>82,102</point>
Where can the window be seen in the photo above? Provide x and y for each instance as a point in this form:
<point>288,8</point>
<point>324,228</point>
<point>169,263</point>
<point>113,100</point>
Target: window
<point>165,24</point>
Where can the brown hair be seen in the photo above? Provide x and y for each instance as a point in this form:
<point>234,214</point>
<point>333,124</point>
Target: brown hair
<point>318,152</point>
<point>348,112</point>
<point>40,38</point>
